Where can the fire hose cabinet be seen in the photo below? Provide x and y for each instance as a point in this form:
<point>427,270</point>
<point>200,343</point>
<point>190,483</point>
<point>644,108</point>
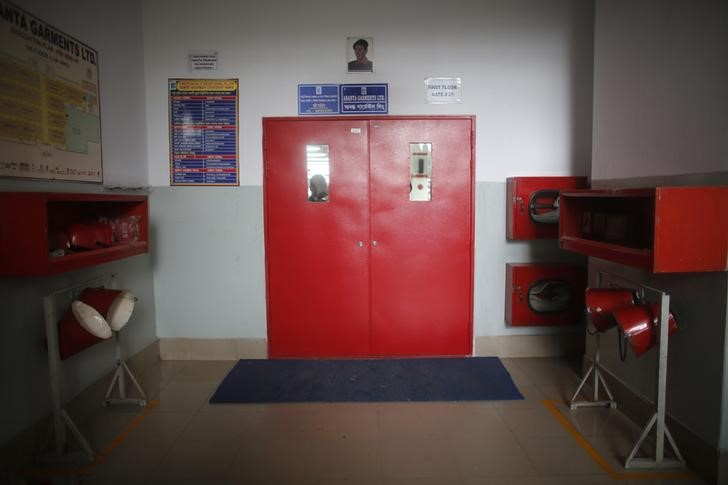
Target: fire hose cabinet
<point>544,294</point>
<point>532,205</point>
<point>47,233</point>
<point>659,229</point>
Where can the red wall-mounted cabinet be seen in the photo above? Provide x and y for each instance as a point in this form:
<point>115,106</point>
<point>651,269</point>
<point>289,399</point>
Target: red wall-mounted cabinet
<point>530,206</point>
<point>544,294</point>
<point>33,222</point>
<point>663,229</point>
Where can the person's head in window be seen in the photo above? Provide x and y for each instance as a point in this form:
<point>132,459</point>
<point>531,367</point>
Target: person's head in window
<point>361,63</point>
<point>319,189</point>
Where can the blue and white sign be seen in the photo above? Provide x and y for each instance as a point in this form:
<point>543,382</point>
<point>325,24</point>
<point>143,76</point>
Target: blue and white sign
<point>318,99</point>
<point>364,99</point>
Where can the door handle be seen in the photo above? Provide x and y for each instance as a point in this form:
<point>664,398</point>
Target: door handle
<point>360,243</point>
<point>374,243</point>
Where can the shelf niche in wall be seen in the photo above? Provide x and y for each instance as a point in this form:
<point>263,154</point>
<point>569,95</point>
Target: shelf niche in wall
<point>32,222</point>
<point>662,229</point>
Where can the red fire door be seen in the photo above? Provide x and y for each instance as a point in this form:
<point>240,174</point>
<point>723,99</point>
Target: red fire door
<point>369,236</point>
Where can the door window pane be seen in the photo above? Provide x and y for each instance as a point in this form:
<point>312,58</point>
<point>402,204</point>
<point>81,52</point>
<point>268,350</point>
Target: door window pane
<point>317,172</point>
<point>420,172</point>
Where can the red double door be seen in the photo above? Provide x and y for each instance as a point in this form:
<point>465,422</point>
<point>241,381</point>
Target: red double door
<point>366,270</point>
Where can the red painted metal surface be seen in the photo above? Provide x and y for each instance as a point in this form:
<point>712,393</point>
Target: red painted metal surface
<point>318,276</point>
<point>522,277</point>
<point>33,223</point>
<point>85,325</point>
<point>663,230</point>
<point>411,293</point>
<point>601,302</point>
<point>116,306</point>
<point>422,264</point>
<point>640,324</point>
<point>526,218</point>
<point>691,229</point>
<point>72,337</point>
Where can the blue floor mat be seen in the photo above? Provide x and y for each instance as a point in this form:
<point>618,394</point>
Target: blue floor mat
<point>367,380</point>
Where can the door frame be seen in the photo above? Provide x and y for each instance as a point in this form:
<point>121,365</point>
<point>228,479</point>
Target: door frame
<point>302,119</point>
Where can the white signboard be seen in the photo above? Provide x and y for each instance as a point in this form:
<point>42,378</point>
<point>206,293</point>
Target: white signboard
<point>443,90</point>
<point>202,61</point>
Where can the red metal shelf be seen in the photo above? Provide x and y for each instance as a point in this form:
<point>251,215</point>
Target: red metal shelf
<point>629,256</point>
<point>29,220</point>
<point>663,229</point>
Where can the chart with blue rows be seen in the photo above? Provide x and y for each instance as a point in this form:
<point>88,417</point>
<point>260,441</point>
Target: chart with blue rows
<point>204,138</point>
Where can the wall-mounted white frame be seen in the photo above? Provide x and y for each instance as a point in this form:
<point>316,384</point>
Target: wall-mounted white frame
<point>52,97</point>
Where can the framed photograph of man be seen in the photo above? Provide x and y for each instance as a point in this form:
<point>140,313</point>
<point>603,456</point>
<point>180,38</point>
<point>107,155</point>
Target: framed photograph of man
<point>359,54</point>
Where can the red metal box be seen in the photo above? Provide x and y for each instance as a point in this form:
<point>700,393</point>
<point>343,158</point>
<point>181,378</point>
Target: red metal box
<point>662,229</point>
<point>44,233</point>
<point>544,294</point>
<point>532,207</point>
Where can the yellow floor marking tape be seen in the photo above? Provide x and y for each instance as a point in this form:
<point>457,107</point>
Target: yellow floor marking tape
<point>104,453</point>
<point>100,456</point>
<point>599,460</point>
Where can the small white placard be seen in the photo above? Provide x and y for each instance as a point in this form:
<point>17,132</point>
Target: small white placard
<point>202,61</point>
<point>443,90</point>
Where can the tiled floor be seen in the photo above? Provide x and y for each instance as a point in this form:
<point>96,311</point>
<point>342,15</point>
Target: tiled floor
<point>186,440</point>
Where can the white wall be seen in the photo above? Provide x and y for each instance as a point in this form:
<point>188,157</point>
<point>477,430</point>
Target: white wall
<point>114,29</point>
<point>526,67</point>
<point>660,77</point>
<point>525,64</point>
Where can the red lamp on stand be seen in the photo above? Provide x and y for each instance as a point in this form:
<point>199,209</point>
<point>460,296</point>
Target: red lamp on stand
<point>80,328</point>
<point>639,324</point>
<point>601,303</point>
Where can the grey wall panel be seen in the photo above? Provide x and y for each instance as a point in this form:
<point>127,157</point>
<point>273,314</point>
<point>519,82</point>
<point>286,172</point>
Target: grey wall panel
<point>208,246</point>
<point>209,272</point>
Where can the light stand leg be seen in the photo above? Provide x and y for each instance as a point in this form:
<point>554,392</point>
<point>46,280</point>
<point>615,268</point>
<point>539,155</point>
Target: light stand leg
<point>81,440</point>
<point>574,404</point>
<point>658,419</point>
<point>119,378</point>
<point>61,419</point>
<point>49,308</point>
<point>597,353</point>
